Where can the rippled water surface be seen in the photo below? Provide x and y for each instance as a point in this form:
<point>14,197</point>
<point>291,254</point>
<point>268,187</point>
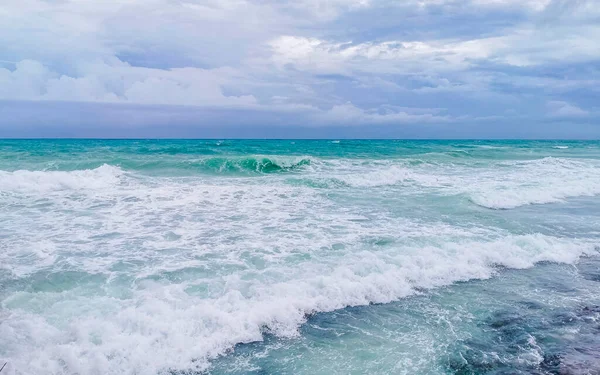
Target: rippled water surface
<point>299,257</point>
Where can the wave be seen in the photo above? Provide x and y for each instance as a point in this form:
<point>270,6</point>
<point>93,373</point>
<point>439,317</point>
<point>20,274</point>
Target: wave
<point>494,185</point>
<point>164,329</point>
<point>388,176</point>
<point>256,164</point>
<point>30,181</point>
<point>182,270</point>
<point>500,185</point>
<point>547,180</point>
<point>109,175</point>
<point>505,200</point>
<point>490,147</point>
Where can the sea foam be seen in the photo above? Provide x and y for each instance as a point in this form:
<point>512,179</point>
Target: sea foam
<point>495,185</point>
<point>540,181</point>
<point>161,326</point>
<point>31,181</point>
<point>118,271</point>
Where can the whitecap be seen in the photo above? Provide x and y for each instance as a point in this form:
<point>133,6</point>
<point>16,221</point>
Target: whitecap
<point>40,181</point>
<point>161,327</point>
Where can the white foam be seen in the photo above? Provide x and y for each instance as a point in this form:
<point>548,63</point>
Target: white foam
<point>490,147</point>
<point>497,185</point>
<point>383,177</point>
<point>540,181</point>
<point>167,273</point>
<point>32,181</point>
<point>161,327</point>
<point>374,173</point>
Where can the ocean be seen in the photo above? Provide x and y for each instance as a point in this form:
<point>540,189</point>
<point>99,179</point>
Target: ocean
<point>299,257</point>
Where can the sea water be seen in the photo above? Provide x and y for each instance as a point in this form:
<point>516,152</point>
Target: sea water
<point>299,257</point>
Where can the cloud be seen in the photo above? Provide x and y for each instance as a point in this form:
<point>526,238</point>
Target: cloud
<point>563,109</point>
<point>349,114</point>
<point>391,56</point>
<point>121,83</point>
<point>522,47</point>
<point>536,5</point>
<point>326,61</point>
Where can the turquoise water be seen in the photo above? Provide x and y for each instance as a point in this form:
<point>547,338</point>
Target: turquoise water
<point>299,257</point>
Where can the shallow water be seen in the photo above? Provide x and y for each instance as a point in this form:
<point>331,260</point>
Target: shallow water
<point>299,257</point>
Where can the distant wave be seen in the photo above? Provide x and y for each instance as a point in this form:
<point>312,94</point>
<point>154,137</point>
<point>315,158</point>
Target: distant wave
<point>258,164</point>
<point>106,174</point>
<point>387,176</point>
<point>494,185</point>
<point>227,164</point>
<point>524,197</point>
<point>547,180</point>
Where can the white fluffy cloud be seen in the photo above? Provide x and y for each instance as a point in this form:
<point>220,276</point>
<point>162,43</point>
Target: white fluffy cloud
<point>522,47</point>
<point>537,5</point>
<point>349,114</point>
<point>119,82</point>
<point>392,56</point>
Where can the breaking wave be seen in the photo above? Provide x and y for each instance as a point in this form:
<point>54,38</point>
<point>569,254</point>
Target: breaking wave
<point>255,164</point>
<point>31,181</point>
<point>164,328</point>
<point>547,180</point>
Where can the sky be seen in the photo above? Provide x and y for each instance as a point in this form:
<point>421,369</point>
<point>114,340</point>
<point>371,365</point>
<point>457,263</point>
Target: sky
<point>300,69</point>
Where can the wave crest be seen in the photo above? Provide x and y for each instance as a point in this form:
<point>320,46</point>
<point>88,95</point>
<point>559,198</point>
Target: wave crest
<point>255,164</point>
<point>35,181</point>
